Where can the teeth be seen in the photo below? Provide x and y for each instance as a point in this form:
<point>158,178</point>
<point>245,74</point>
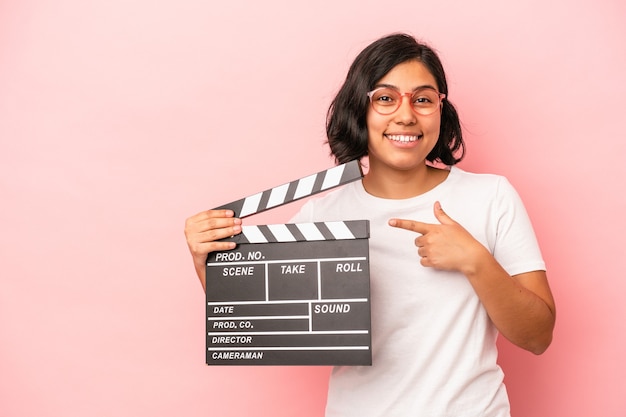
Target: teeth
<point>403,138</point>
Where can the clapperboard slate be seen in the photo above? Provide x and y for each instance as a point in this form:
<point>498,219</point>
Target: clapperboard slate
<point>291,294</point>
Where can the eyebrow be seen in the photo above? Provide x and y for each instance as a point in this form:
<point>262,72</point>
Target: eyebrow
<point>415,89</point>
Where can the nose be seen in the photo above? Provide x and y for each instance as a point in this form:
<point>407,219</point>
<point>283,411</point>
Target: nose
<point>405,114</point>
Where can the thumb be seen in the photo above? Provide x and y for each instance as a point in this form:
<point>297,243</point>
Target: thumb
<point>441,215</point>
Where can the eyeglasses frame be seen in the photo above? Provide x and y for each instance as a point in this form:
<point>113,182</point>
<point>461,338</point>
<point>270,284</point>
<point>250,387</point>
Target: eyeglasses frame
<point>409,94</point>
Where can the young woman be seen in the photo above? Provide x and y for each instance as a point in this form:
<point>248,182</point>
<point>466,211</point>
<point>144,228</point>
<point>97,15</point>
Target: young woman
<point>453,256</point>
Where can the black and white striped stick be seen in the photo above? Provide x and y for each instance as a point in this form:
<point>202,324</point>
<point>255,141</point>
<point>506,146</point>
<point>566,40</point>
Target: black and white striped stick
<point>295,190</point>
<point>299,232</point>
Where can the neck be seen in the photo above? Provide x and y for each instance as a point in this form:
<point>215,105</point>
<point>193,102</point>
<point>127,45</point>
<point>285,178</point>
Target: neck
<point>396,185</point>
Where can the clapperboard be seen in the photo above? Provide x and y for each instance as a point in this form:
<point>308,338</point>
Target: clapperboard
<point>291,294</point>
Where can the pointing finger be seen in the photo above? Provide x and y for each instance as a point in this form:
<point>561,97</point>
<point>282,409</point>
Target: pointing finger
<point>412,225</point>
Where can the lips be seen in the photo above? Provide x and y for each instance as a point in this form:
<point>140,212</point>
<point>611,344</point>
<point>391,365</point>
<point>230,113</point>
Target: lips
<point>404,138</point>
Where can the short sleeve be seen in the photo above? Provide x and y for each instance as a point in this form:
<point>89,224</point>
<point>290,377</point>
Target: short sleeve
<point>516,248</point>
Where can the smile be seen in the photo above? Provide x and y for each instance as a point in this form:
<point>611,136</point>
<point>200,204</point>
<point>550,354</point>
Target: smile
<point>403,138</point>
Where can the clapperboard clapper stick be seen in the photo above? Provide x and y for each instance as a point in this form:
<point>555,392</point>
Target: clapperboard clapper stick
<point>291,294</point>
<point>295,190</point>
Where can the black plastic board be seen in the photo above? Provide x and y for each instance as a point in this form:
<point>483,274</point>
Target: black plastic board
<point>303,302</point>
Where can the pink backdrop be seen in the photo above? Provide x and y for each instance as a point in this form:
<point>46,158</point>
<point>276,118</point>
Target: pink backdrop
<point>119,119</point>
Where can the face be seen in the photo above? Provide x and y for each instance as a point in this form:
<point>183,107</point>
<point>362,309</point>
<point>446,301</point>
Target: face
<point>401,141</point>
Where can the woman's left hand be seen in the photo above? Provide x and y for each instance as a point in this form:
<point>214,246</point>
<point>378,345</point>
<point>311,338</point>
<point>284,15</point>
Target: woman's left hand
<point>521,307</point>
<point>446,246</point>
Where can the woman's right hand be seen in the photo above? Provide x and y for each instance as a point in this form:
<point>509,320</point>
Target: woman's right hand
<point>203,231</point>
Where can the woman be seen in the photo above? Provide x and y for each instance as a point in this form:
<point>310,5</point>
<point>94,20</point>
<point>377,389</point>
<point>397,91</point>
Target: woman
<point>443,283</point>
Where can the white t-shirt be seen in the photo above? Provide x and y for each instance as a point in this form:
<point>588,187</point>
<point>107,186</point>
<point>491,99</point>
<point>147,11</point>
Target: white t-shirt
<point>433,345</point>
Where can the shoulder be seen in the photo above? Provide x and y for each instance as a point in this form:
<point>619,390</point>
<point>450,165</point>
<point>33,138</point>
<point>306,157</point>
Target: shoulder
<point>484,179</point>
<point>465,182</point>
<point>473,196</point>
<point>334,205</point>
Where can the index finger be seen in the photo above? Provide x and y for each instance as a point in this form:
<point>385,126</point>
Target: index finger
<point>212,214</point>
<point>220,213</point>
<point>211,219</point>
<point>412,225</point>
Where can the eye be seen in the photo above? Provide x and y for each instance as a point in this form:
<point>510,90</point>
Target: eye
<point>423,98</point>
<point>385,97</point>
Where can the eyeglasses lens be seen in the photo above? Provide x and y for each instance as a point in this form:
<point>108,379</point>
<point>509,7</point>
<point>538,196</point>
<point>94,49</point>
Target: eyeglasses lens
<point>425,101</point>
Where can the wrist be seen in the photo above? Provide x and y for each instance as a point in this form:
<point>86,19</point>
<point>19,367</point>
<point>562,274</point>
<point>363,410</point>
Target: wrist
<point>479,259</point>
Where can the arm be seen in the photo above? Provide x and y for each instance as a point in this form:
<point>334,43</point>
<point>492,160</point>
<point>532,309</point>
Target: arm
<point>521,307</point>
<point>203,229</point>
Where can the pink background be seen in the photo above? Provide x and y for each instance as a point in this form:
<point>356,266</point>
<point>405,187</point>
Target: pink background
<point>120,119</point>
